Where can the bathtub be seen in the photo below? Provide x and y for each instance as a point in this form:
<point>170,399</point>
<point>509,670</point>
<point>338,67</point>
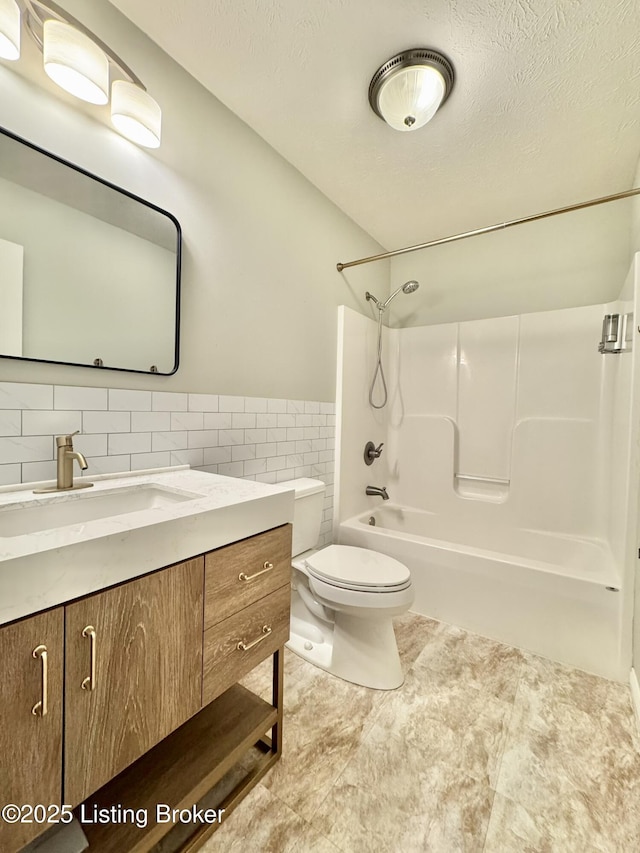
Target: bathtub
<point>553,595</point>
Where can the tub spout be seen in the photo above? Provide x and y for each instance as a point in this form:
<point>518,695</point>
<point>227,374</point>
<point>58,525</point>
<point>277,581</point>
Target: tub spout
<point>380,491</point>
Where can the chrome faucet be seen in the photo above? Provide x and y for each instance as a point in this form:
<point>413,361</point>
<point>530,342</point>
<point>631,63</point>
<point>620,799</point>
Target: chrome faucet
<point>65,456</point>
<point>380,491</point>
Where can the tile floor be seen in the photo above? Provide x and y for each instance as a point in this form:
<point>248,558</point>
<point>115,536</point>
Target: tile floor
<point>484,748</point>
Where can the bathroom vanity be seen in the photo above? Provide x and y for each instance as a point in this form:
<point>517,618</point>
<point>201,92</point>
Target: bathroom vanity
<point>122,641</point>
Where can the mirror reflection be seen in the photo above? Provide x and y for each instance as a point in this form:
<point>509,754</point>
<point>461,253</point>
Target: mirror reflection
<point>89,274</point>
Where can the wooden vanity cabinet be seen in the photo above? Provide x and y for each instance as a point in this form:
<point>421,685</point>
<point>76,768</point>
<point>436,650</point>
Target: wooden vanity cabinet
<point>133,672</point>
<point>31,666</point>
<point>151,710</point>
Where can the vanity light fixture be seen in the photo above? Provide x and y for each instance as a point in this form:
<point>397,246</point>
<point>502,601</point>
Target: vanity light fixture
<point>135,114</point>
<point>408,89</point>
<point>78,61</point>
<point>9,30</point>
<point>75,62</point>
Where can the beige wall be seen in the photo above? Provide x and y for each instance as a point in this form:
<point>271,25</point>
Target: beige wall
<point>578,258</point>
<point>260,288</point>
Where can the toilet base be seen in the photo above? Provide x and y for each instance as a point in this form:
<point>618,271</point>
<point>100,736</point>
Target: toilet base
<point>361,651</point>
<point>365,652</point>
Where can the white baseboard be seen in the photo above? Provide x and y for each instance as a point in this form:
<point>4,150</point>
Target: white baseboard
<point>635,695</point>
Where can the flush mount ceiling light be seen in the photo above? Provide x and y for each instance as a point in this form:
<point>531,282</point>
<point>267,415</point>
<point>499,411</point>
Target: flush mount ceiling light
<point>79,62</point>
<point>408,89</point>
<point>9,29</point>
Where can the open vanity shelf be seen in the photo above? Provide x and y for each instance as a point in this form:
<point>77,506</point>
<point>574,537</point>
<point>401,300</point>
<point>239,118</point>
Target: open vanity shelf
<point>185,766</point>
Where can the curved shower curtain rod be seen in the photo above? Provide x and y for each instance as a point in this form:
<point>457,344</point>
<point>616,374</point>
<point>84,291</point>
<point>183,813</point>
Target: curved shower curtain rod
<point>499,227</point>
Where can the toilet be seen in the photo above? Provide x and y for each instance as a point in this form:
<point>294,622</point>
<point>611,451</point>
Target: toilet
<point>343,600</point>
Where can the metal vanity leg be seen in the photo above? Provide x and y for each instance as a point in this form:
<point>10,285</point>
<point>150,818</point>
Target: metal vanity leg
<point>277,696</point>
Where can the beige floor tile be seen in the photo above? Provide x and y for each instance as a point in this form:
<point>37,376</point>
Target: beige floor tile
<point>572,740</point>
<point>312,841</point>
<point>566,827</point>
<point>454,655</point>
<point>413,632</point>
<point>316,701</point>
<point>261,823</point>
<point>450,724</point>
<point>390,799</point>
<point>260,679</point>
<point>549,687</point>
<point>325,720</point>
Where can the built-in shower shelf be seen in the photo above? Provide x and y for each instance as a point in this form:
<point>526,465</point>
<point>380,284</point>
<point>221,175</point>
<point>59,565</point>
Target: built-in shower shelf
<point>491,489</point>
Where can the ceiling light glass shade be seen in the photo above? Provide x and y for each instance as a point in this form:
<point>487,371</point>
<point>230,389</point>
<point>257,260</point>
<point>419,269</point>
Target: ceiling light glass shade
<point>9,29</point>
<point>410,98</point>
<point>75,62</point>
<point>408,89</point>
<point>135,114</point>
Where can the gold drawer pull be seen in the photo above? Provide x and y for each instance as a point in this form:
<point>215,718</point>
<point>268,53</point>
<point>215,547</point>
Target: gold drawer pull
<point>244,647</point>
<point>266,567</point>
<point>89,682</point>
<point>40,708</point>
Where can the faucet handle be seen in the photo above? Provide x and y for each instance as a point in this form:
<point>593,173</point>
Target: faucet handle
<point>372,452</point>
<point>66,440</point>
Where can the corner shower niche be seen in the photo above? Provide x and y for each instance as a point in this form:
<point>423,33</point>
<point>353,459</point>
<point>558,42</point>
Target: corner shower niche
<point>510,440</point>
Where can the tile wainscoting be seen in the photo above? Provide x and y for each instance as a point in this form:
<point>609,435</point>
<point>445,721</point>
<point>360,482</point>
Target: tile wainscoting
<point>256,438</point>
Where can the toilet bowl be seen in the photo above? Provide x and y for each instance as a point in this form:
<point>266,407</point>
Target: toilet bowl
<point>343,600</point>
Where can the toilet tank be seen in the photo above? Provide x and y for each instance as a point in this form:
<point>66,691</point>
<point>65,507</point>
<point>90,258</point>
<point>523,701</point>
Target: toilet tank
<point>307,513</point>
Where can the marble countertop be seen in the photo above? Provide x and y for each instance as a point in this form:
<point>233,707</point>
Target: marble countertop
<point>42,569</point>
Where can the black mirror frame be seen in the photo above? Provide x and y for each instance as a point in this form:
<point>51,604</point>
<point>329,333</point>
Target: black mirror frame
<point>104,182</point>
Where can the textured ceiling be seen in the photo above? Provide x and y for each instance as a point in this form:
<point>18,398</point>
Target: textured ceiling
<point>545,109</point>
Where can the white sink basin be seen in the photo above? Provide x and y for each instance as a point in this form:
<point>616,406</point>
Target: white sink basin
<point>61,546</point>
<point>78,507</point>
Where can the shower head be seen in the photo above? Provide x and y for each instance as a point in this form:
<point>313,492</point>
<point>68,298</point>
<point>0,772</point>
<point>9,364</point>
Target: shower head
<point>407,287</point>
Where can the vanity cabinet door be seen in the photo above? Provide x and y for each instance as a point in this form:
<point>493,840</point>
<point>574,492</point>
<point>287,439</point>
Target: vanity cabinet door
<point>133,672</point>
<point>31,665</point>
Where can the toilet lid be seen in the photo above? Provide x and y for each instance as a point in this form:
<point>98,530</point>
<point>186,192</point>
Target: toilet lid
<point>357,568</point>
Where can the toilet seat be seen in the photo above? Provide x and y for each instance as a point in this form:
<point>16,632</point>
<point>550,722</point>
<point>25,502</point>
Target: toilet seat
<point>358,569</point>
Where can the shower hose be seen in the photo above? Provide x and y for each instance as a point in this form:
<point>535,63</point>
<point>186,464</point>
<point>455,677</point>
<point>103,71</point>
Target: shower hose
<point>378,370</point>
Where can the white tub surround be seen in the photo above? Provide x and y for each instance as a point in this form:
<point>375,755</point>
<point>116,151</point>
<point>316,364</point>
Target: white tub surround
<point>44,568</point>
<point>520,442</point>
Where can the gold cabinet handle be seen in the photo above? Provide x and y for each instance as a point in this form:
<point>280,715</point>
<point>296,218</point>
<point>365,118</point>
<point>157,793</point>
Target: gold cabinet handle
<point>90,681</point>
<point>266,567</point>
<point>40,708</point>
<point>244,647</point>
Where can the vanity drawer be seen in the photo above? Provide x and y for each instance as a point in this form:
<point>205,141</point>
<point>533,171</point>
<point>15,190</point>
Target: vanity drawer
<point>224,662</point>
<point>226,590</point>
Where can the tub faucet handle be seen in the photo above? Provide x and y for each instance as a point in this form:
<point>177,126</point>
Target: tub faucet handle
<point>371,452</point>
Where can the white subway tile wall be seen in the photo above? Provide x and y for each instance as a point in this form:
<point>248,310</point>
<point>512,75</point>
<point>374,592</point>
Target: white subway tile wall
<point>251,437</point>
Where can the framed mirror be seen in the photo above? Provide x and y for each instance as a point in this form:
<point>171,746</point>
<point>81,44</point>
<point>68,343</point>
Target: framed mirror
<point>89,273</point>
